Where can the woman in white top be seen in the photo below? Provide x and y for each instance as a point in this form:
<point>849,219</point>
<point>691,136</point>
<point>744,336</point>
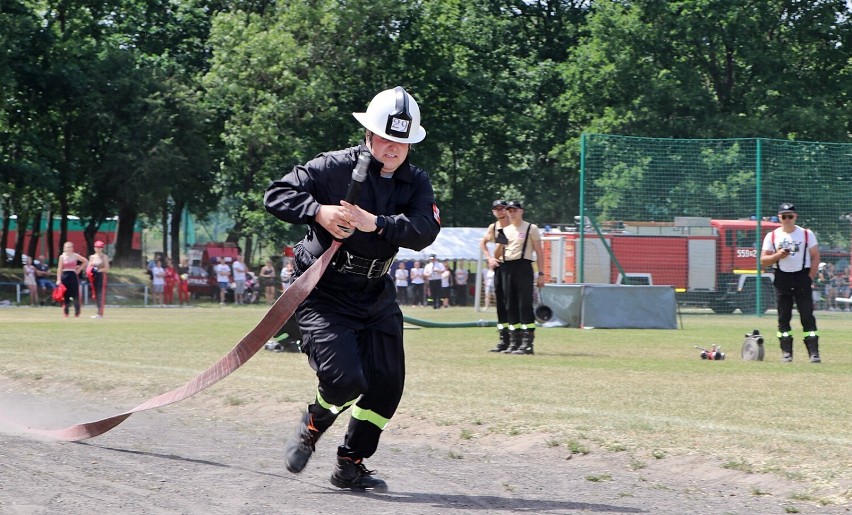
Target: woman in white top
<point>158,282</point>
<point>401,281</point>
<point>416,274</point>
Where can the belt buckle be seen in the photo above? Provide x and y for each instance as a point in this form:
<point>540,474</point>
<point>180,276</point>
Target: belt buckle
<point>385,267</point>
<point>372,268</point>
<point>343,265</point>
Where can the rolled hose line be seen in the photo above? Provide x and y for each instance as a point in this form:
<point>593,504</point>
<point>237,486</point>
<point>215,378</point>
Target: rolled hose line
<point>448,325</point>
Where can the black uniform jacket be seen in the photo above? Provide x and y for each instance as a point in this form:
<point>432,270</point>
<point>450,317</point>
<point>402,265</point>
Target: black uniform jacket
<point>406,200</point>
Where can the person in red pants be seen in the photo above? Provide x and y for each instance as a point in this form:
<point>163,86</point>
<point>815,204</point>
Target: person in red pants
<point>183,282</point>
<point>171,282</point>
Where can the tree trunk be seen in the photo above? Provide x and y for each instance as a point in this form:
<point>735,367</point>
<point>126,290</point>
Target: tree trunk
<point>63,220</point>
<point>91,230</point>
<point>7,221</point>
<point>174,231</point>
<point>17,261</point>
<point>247,251</point>
<point>32,249</point>
<point>164,220</point>
<point>124,255</point>
<point>50,251</point>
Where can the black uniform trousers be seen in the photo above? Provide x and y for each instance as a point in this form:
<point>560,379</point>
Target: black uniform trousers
<point>100,291</point>
<point>353,338</point>
<point>500,294</point>
<point>72,290</point>
<point>518,289</point>
<point>437,291</point>
<point>795,287</point>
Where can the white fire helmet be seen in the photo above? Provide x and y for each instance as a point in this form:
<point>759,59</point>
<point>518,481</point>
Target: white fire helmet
<point>394,115</point>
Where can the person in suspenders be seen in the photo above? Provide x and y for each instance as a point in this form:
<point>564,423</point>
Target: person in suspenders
<point>524,241</point>
<point>793,251</point>
<point>495,235</point>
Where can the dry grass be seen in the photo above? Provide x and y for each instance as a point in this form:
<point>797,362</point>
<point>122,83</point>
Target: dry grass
<point>644,392</point>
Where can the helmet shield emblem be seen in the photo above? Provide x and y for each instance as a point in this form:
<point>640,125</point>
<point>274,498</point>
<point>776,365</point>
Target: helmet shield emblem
<point>399,121</point>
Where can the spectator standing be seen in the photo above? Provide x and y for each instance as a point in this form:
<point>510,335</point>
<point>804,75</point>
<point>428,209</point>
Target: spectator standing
<point>183,282</point>
<point>68,274</point>
<point>417,286</point>
<point>158,282</point>
<point>171,282</point>
<point>239,269</point>
<point>446,284</point>
<point>792,251</point>
<point>524,240</point>
<point>461,276</point>
<point>433,271</point>
<point>831,287</point>
<point>30,280</point>
<point>287,275</point>
<point>97,274</point>
<point>223,279</point>
<point>496,234</point>
<point>489,287</point>
<point>351,324</point>
<point>267,281</point>
<point>821,286</point>
<point>400,276</point>
<point>841,277</point>
<point>45,285</point>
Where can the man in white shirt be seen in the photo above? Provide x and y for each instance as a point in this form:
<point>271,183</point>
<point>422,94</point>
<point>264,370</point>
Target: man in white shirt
<point>433,271</point>
<point>793,251</point>
<point>223,279</point>
<point>240,269</point>
<point>418,297</point>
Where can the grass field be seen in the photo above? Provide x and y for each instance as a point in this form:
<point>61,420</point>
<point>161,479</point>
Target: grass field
<point>644,392</point>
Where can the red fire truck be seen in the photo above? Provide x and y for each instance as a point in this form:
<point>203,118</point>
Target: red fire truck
<point>202,257</point>
<point>710,263</point>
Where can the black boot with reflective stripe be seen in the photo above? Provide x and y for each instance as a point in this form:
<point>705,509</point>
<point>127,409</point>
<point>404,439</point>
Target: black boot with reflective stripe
<point>786,342</point>
<point>812,344</point>
<point>527,337</point>
<point>516,339</point>
<point>503,344</point>
<point>301,444</point>
<point>351,474</point>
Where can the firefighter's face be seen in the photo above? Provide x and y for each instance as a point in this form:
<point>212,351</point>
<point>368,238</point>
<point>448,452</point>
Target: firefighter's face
<point>390,153</point>
<point>514,213</point>
<point>787,218</point>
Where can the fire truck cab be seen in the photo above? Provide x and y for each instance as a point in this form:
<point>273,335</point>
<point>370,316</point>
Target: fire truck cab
<point>202,257</point>
<point>710,263</point>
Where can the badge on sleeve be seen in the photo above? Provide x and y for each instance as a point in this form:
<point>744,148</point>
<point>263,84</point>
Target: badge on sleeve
<point>436,213</point>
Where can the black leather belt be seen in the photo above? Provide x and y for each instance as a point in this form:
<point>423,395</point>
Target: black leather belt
<point>349,263</point>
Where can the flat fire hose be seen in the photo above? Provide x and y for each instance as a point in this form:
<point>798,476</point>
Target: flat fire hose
<point>268,326</point>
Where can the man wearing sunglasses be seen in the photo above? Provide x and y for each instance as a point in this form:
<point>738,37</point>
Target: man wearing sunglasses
<point>793,251</point>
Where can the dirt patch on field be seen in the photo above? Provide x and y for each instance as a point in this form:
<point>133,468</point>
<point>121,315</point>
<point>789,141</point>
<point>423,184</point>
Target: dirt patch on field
<point>192,458</point>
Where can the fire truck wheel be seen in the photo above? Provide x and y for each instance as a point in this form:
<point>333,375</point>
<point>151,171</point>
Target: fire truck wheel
<point>722,308</point>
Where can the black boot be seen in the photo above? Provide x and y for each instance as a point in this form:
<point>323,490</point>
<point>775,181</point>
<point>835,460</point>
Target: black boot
<point>786,348</point>
<point>351,474</point>
<point>527,337</point>
<point>302,443</point>
<point>812,344</point>
<point>503,344</point>
<point>516,340</point>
